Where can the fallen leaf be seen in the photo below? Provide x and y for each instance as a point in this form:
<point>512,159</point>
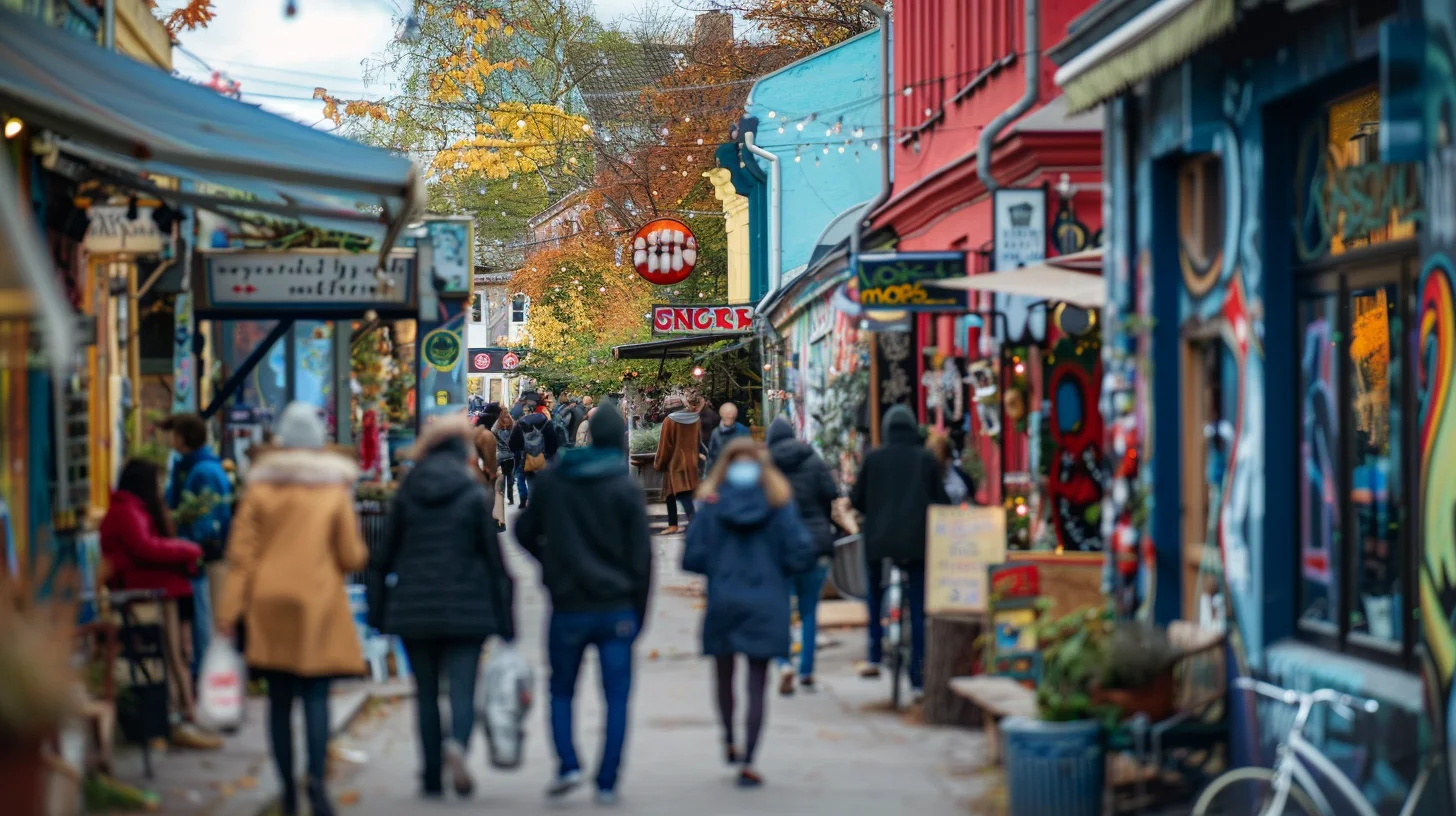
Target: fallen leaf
<point>348,798</point>
<point>652,655</point>
<point>246,783</point>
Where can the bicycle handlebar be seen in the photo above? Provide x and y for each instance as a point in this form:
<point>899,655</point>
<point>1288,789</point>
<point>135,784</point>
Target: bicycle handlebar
<point>1344,704</point>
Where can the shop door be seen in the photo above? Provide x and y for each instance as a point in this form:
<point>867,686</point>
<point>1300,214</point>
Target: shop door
<point>1204,457</point>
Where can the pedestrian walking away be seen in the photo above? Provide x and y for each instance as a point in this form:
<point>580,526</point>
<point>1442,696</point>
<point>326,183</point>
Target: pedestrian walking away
<point>677,461</point>
<point>141,554</point>
<point>814,495</point>
<point>295,539</point>
<point>506,459</point>
<point>897,483</point>
<point>587,525</point>
<point>200,473</point>
<point>727,430</point>
<point>450,591</point>
<point>534,443</point>
<point>485,444</point>
<point>960,488</point>
<point>748,541</point>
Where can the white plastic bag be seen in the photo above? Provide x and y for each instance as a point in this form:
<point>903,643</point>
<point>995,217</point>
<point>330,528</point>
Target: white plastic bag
<point>220,687</point>
<point>502,700</point>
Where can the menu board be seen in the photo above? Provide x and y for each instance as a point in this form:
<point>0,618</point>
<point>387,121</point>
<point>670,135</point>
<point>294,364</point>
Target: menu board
<point>962,542</point>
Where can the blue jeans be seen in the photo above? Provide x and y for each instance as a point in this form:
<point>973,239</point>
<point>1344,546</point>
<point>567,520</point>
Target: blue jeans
<point>283,689</point>
<point>457,660</point>
<point>806,587</point>
<point>201,622</point>
<point>613,634</point>
<point>913,590</point>
<point>521,481</point>
<point>874,597</point>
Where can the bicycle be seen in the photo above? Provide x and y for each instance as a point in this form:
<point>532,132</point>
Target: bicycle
<point>1270,791</point>
<point>896,639</point>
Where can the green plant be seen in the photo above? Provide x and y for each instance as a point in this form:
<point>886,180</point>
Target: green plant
<point>195,506</point>
<point>37,682</point>
<point>1091,650</point>
<point>645,440</point>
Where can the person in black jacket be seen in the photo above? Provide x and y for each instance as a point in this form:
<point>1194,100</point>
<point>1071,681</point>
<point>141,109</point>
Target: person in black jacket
<point>450,589</point>
<point>896,486</point>
<point>814,495</point>
<point>536,418</point>
<point>587,525</point>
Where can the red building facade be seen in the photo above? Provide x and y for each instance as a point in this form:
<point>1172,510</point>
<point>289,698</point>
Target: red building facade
<point>958,65</point>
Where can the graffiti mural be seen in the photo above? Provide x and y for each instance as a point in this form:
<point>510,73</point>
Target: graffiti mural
<point>1318,479</point>
<point>1077,471</point>
<point>1435,359</point>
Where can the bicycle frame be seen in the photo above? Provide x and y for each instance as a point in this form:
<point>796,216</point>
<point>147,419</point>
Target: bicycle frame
<point>1298,755</point>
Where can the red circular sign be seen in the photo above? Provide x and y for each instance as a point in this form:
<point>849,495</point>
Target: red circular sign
<point>664,251</point>
<point>510,361</point>
<point>482,361</point>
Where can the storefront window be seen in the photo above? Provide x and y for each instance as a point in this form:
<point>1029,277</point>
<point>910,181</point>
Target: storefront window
<point>1352,547</point>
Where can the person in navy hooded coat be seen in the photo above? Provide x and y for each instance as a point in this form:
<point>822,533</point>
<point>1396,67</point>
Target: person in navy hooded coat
<point>748,540</point>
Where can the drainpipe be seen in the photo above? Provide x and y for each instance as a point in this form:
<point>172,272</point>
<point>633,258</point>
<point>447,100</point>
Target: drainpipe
<point>1032,56</point>
<point>884,194</point>
<point>109,29</point>
<point>776,197</point>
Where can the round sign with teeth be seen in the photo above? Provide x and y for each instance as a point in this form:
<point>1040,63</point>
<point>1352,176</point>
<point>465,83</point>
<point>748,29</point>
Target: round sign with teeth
<point>664,251</point>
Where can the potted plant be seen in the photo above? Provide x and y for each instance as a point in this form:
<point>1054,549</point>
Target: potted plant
<point>38,688</point>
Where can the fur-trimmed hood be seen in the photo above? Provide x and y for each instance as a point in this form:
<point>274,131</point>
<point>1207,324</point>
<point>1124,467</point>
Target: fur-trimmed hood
<point>302,466</point>
<point>439,431</point>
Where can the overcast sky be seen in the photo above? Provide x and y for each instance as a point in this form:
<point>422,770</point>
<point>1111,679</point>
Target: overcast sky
<point>280,60</point>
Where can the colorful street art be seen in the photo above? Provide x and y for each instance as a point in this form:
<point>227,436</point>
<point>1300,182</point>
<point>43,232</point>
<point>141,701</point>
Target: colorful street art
<point>1077,469</point>
<point>1435,360</point>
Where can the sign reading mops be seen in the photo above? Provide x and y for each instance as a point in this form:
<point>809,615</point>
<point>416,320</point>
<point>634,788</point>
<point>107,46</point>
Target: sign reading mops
<point>905,280</point>
<point>701,319</point>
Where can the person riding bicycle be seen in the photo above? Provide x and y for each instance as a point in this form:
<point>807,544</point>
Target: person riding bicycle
<point>896,486</point>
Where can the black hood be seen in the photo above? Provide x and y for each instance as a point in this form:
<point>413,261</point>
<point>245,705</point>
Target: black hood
<point>442,475</point>
<point>899,427</point>
<point>608,430</point>
<point>779,429</point>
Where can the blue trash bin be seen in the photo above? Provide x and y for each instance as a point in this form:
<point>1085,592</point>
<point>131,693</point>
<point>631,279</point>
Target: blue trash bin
<point>1053,767</point>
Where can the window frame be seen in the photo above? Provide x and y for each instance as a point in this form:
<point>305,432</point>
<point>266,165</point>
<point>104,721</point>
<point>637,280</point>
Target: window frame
<point>523,304</point>
<point>1393,264</point>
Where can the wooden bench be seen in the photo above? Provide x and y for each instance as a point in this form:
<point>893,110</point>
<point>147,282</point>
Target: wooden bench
<point>997,697</point>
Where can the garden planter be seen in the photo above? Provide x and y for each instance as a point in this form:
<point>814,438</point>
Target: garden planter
<point>23,776</point>
<point>1156,699</point>
<point>647,476</point>
<point>1053,767</point>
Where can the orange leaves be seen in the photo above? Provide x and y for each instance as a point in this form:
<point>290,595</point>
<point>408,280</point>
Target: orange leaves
<point>331,105</point>
<point>511,138</point>
<point>190,17</point>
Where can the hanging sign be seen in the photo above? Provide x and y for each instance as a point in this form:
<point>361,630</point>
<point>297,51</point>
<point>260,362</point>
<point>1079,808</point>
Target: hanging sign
<point>509,361</point>
<point>112,231</point>
<point>701,319</point>
<point>1020,227</point>
<point>906,280</point>
<point>488,360</point>
<point>268,281</point>
<point>664,251</point>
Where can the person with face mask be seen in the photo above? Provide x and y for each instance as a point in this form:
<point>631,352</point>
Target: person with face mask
<point>748,540</point>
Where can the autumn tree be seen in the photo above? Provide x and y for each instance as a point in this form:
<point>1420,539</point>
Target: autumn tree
<point>189,16</point>
<point>804,26</point>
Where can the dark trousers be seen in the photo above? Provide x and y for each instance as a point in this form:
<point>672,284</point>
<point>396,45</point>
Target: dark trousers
<point>458,662</point>
<point>914,598</point>
<point>874,600</point>
<point>283,689</point>
<point>757,684</point>
<point>508,469</point>
<point>612,633</point>
<point>686,499</point>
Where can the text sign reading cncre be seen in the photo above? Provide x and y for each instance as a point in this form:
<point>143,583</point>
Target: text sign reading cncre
<point>906,280</point>
<point>275,280</point>
<point>961,543</point>
<point>701,319</point>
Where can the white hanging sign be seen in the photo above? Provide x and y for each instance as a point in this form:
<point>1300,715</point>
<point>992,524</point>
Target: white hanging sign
<point>111,231</point>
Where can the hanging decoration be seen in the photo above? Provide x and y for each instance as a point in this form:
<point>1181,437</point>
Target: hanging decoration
<point>664,251</point>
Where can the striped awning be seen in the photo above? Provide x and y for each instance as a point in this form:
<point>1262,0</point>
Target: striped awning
<point>1153,41</point>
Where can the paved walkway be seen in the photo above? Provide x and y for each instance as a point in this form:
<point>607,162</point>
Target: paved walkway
<point>838,751</point>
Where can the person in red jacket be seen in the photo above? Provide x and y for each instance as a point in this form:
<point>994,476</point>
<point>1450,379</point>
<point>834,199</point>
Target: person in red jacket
<point>141,554</point>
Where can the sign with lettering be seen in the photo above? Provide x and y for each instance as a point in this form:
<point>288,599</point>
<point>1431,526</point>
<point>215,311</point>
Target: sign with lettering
<point>112,231</point>
<point>701,319</point>
<point>1020,226</point>
<point>452,249</point>
<point>271,281</point>
<point>487,360</point>
<point>509,361</point>
<point>961,544</point>
<point>906,280</point>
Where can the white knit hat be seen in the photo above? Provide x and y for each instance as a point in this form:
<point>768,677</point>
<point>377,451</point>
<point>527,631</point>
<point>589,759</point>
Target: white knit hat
<point>299,426</point>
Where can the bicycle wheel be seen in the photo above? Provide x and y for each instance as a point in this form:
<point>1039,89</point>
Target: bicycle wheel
<point>894,634</point>
<point>1250,792</point>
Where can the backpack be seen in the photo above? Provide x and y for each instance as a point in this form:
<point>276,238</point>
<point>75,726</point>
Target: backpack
<point>561,421</point>
<point>535,449</point>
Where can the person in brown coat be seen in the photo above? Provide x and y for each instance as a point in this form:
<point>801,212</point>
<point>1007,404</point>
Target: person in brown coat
<point>677,460</point>
<point>293,541</point>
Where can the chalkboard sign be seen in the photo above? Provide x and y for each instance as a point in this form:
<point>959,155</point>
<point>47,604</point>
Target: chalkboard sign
<point>961,543</point>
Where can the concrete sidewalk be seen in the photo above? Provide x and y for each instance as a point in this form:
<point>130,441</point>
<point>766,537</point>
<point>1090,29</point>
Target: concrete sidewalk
<point>837,751</point>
